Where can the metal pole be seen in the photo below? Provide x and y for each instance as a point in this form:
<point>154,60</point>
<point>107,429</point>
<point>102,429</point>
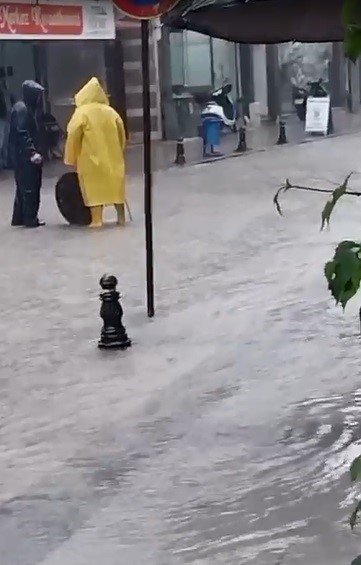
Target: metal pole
<point>147,170</point>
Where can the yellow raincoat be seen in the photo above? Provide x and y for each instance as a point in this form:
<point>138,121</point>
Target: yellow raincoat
<point>95,147</point>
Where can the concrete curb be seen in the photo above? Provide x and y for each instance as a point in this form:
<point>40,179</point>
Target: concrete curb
<point>276,147</point>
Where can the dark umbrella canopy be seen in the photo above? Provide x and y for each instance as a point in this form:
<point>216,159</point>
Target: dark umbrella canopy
<point>262,21</point>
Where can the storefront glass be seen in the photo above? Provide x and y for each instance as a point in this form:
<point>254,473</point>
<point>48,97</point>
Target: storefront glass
<point>301,63</point>
<point>70,65</point>
<point>199,64</point>
<point>224,64</point>
<point>16,65</point>
<point>190,59</point>
<point>199,61</point>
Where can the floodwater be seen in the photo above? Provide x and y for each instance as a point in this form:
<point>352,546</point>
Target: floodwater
<point>277,498</point>
<point>224,436</point>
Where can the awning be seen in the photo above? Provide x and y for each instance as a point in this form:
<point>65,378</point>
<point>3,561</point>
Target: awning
<point>261,21</point>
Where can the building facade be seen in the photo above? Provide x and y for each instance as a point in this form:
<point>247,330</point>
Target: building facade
<point>269,73</point>
<point>262,77</point>
<point>66,42</point>
<point>190,64</point>
<point>60,44</point>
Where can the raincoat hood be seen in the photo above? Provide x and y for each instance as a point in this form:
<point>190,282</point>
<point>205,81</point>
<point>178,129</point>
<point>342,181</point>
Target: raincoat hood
<point>32,92</point>
<point>91,93</point>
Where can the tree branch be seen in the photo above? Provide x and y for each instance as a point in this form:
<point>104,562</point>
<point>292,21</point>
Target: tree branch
<point>288,186</point>
<point>324,190</point>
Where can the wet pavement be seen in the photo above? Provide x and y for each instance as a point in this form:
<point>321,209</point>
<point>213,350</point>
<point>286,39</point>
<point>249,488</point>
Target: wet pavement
<point>225,434</point>
<point>258,139</point>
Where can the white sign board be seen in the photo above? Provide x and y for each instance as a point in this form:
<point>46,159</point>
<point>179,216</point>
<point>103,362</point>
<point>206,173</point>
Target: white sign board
<point>317,114</point>
<point>57,19</point>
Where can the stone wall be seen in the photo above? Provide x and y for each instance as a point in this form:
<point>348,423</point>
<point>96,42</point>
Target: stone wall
<point>129,32</point>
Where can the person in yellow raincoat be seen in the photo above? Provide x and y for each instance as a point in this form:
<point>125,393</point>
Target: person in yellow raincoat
<point>95,147</point>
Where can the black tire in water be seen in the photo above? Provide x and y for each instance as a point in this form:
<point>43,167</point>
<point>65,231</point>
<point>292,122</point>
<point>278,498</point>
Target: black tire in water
<point>70,201</point>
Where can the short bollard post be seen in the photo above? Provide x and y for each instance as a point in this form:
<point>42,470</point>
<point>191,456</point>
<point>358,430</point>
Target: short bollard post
<point>330,126</point>
<point>359,314</point>
<point>282,139</point>
<point>180,155</point>
<point>242,141</point>
<point>113,334</point>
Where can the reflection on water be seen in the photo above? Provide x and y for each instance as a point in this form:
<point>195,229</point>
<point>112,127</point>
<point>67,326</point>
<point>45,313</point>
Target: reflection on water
<point>268,504</point>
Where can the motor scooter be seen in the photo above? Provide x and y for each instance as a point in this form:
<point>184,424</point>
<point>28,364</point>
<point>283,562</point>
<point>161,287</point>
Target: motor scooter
<point>299,95</point>
<point>219,104</point>
<point>299,98</point>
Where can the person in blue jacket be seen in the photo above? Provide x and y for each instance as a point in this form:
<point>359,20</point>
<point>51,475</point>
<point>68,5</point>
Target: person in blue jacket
<point>27,161</point>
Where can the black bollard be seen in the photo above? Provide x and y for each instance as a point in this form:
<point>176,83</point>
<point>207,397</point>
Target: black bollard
<point>113,334</point>
<point>180,156</point>
<point>242,141</point>
<point>330,126</point>
<point>359,313</point>
<point>282,139</point>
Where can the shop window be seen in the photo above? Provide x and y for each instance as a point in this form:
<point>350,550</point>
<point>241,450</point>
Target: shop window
<point>191,63</point>
<point>224,63</point>
<point>70,65</point>
<point>177,59</point>
<point>16,65</point>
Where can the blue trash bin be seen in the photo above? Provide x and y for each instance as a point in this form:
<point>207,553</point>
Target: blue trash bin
<point>211,133</point>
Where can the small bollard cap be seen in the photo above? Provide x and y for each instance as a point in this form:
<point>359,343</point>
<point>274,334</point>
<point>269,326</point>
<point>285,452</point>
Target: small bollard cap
<point>108,281</point>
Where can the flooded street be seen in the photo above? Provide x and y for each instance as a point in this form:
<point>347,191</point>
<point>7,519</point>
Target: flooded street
<point>224,436</point>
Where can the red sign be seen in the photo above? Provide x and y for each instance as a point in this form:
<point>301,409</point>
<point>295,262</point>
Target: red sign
<point>145,9</point>
<point>42,19</point>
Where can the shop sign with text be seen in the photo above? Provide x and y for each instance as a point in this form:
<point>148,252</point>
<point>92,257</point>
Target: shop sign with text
<point>57,19</point>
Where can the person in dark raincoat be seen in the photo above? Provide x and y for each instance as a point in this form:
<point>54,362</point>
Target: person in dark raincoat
<point>24,147</point>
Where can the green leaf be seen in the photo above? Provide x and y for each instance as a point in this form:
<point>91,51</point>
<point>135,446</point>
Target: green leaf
<point>347,244</point>
<point>351,16</point>
<point>353,44</point>
<point>357,561</point>
<point>330,271</point>
<point>330,204</point>
<point>326,213</point>
<point>354,516</point>
<point>355,469</point>
<point>343,273</point>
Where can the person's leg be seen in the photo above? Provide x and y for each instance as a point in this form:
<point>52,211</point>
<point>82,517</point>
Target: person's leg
<point>18,216</point>
<point>6,147</point>
<point>31,200</point>
<point>120,208</point>
<point>96,213</point>
<point>2,143</point>
<point>38,184</point>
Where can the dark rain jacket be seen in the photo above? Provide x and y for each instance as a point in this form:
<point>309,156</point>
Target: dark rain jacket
<point>25,135</point>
